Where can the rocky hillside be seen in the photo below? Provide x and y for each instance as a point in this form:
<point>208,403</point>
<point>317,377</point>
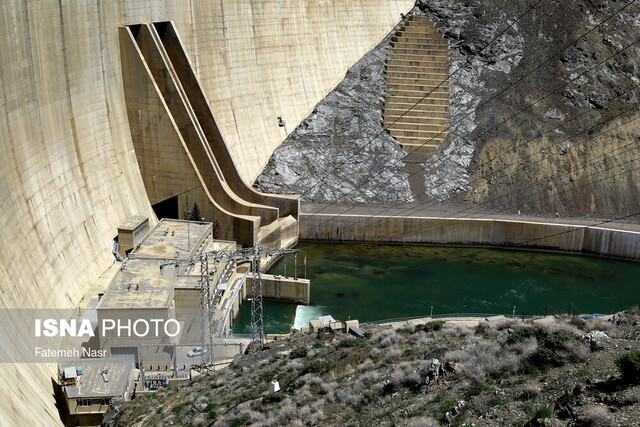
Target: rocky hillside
<point>543,117</point>
<point>554,371</point>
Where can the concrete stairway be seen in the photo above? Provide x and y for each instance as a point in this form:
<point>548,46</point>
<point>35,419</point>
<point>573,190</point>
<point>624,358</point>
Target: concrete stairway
<point>417,64</point>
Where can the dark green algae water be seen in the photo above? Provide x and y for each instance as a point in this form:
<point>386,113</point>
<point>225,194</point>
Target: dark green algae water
<point>376,282</point>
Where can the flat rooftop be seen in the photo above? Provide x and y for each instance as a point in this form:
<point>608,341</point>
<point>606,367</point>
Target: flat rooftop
<point>173,239</point>
<point>92,383</point>
<point>143,284</point>
<point>133,222</point>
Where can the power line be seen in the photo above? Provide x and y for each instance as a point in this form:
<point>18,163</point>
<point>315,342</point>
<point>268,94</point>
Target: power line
<point>431,203</point>
<point>425,96</point>
<point>528,73</point>
<point>493,200</point>
<point>495,127</point>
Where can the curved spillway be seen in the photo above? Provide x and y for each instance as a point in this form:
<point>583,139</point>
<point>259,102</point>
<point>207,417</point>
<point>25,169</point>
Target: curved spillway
<point>69,172</point>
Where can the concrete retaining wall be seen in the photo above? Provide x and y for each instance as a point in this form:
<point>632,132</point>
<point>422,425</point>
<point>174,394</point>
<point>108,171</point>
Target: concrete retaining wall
<point>574,238</point>
<point>284,289</point>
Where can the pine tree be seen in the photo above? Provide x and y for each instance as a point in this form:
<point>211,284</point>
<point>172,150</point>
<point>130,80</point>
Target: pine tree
<point>195,214</point>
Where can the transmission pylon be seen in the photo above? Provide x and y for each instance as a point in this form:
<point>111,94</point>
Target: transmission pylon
<point>257,313</point>
<point>205,310</point>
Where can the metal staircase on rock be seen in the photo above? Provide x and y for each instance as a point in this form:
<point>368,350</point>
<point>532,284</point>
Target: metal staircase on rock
<point>417,64</point>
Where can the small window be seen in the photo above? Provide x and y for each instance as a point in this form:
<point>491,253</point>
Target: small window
<point>106,401</point>
<point>84,402</point>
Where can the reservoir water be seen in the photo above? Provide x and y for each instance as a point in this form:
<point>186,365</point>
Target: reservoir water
<point>377,282</point>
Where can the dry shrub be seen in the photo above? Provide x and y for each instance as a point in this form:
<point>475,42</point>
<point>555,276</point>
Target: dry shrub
<point>525,348</point>
<point>369,379</point>
<point>313,380</point>
<point>453,330</point>
<point>555,327</point>
<point>367,365</point>
<point>408,328</point>
<point>420,339</point>
<point>596,416</point>
<point>423,422</point>
<point>598,324</point>
<point>329,389</point>
<point>573,351</point>
<point>287,411</point>
<point>305,412</point>
<point>303,396</point>
<point>406,375</point>
<point>508,323</point>
<point>316,418</point>
<point>632,397</point>
<point>244,411</point>
<point>349,395</point>
<point>478,359</point>
<point>313,414</point>
<point>386,338</point>
<point>295,365</point>
<point>392,355</point>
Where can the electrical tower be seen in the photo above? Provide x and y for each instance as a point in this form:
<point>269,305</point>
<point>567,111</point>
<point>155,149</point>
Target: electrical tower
<point>253,255</point>
<point>257,314</point>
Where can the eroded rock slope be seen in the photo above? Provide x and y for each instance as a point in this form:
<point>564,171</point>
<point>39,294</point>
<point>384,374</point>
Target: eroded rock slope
<point>542,113</point>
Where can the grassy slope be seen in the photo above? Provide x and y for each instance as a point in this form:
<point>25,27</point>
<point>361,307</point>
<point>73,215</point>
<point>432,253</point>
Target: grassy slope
<point>509,374</point>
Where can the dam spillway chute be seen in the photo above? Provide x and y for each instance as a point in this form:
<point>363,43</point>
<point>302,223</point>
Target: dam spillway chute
<point>180,151</point>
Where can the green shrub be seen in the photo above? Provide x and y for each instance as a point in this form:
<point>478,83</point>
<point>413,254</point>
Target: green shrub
<point>548,345</point>
<point>481,329</point>
<point>272,398</point>
<point>543,412</point>
<point>629,364</point>
<point>432,326</point>
<point>524,333</point>
<point>529,393</point>
<point>212,414</point>
<point>579,323</point>
<point>568,398</point>
<point>298,352</point>
<point>239,421</point>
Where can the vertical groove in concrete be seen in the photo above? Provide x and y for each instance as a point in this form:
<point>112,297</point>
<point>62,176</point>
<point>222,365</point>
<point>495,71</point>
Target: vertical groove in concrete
<point>417,73</point>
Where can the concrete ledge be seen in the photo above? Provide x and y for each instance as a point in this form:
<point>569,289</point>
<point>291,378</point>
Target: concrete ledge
<point>505,233</point>
<point>284,289</point>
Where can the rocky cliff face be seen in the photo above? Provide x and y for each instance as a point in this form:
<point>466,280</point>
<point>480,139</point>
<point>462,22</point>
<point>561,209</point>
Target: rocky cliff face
<point>540,124</point>
<point>345,129</point>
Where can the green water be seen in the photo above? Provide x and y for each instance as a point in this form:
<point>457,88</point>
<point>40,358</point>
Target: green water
<point>376,282</point>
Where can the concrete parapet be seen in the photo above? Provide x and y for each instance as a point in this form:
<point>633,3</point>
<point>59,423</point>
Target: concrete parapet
<point>575,238</point>
<point>285,289</point>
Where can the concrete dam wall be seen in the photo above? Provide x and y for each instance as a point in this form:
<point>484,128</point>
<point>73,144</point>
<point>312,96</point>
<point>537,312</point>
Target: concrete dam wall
<point>68,169</point>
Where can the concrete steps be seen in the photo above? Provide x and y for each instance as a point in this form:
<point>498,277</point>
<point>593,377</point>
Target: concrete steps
<point>416,109</point>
